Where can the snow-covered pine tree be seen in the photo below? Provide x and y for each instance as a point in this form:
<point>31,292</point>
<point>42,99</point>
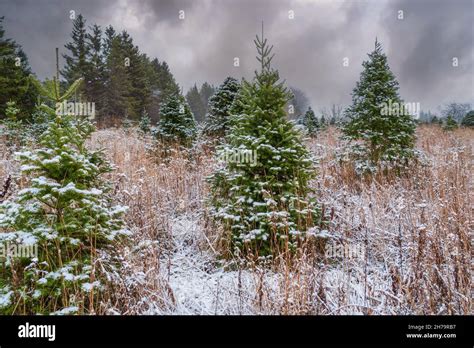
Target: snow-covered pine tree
<point>64,212</point>
<point>380,130</point>
<point>177,122</point>
<point>310,122</point>
<point>261,194</point>
<point>220,104</point>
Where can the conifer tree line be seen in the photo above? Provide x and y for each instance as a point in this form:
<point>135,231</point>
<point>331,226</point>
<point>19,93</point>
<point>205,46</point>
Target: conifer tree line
<point>120,79</point>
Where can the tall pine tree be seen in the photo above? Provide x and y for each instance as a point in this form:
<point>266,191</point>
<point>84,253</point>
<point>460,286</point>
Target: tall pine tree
<point>117,102</point>
<point>196,104</point>
<point>95,75</point>
<point>206,92</point>
<point>139,91</point>
<point>14,77</point>
<point>77,64</point>
<point>380,129</point>
<point>163,85</point>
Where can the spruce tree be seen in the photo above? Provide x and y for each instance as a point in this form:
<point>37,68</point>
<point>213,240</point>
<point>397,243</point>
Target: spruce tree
<point>139,90</point>
<point>109,37</point>
<point>450,123</point>
<point>196,104</point>
<point>95,75</point>
<point>77,64</point>
<point>14,77</point>
<point>165,83</point>
<point>261,194</point>
<point>176,121</point>
<point>13,129</point>
<point>310,121</point>
<point>323,122</point>
<point>379,128</point>
<point>64,212</point>
<point>468,120</point>
<point>220,104</point>
<point>206,92</point>
<point>117,102</point>
<point>145,123</point>
<point>299,101</point>
<point>162,85</point>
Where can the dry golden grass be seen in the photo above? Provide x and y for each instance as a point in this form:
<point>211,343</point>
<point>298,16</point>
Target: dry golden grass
<point>416,230</point>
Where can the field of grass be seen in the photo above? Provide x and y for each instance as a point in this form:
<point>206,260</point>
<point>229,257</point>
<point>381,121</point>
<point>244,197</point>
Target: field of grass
<point>412,235</point>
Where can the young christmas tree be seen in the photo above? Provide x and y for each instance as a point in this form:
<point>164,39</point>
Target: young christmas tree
<point>450,123</point>
<point>145,123</point>
<point>220,104</point>
<point>435,120</point>
<point>261,195</point>
<point>65,213</point>
<point>379,127</point>
<point>176,121</point>
<point>13,129</point>
<point>310,121</point>
<point>468,120</point>
<point>323,121</point>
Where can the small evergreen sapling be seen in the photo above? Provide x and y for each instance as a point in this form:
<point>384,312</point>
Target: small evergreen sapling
<point>220,104</point>
<point>310,122</point>
<point>176,121</point>
<point>468,120</point>
<point>13,129</point>
<point>450,123</point>
<point>145,123</point>
<point>65,212</point>
<point>264,204</point>
<point>377,135</point>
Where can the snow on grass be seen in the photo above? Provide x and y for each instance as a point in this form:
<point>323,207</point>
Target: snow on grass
<point>199,284</point>
<point>414,231</point>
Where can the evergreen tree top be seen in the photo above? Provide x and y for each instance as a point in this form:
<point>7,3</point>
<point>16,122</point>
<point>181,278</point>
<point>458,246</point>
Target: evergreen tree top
<point>265,55</point>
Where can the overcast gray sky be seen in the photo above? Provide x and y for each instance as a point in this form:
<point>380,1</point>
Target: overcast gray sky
<point>309,48</point>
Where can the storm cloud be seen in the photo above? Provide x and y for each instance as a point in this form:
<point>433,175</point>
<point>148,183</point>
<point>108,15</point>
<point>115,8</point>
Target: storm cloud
<point>309,48</point>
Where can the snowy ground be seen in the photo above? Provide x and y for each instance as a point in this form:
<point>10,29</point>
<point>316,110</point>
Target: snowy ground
<point>199,286</point>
